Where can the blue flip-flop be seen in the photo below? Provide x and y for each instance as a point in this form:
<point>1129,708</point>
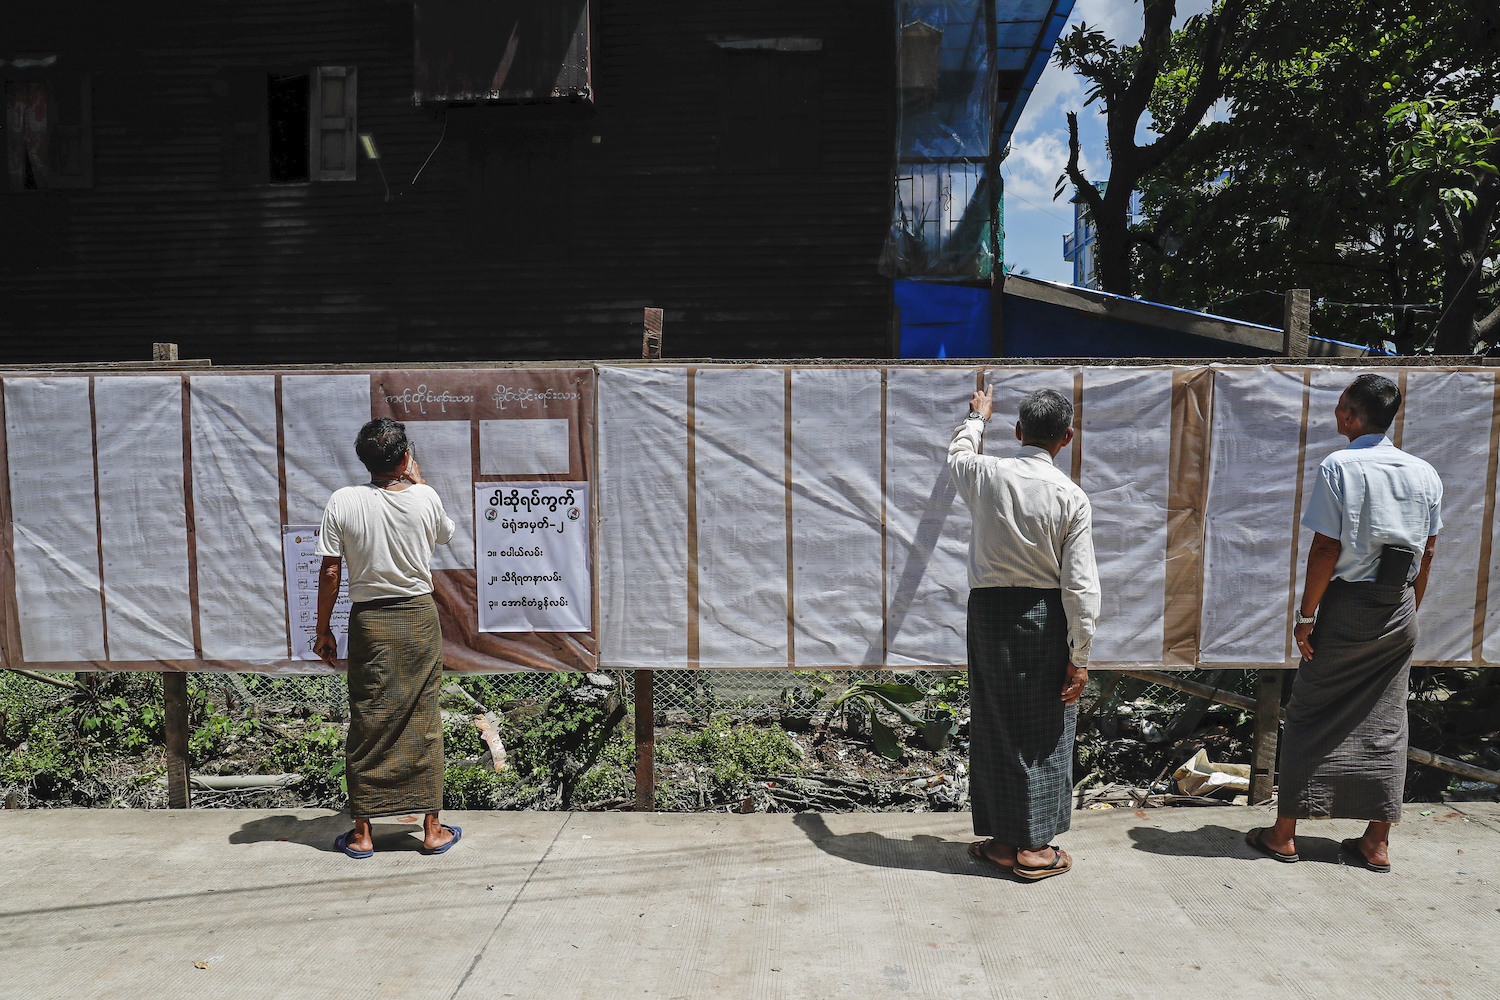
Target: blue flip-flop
<point>457,833</point>
<point>342,843</point>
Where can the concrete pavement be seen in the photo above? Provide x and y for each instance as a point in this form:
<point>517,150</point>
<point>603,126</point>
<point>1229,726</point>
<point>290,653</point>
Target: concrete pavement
<point>1162,903</point>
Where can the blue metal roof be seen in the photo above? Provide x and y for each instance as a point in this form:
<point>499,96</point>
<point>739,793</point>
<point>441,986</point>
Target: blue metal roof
<point>1025,31</point>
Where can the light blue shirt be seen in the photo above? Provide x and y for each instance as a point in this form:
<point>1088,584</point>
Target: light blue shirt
<point>1372,494</point>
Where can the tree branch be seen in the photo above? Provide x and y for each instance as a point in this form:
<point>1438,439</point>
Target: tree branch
<point>1156,41</point>
<point>1082,184</point>
<point>1207,89</point>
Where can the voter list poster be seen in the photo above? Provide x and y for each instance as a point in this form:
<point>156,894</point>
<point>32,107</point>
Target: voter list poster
<point>299,543</point>
<point>533,557</point>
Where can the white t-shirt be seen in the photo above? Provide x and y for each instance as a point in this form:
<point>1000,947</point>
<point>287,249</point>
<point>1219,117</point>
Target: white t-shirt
<point>385,537</point>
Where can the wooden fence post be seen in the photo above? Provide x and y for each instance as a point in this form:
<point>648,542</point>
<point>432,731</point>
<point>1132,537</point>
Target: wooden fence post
<point>1296,323</point>
<point>174,688</point>
<point>1267,733</point>
<point>651,339</point>
<point>645,740</point>
<point>645,680</point>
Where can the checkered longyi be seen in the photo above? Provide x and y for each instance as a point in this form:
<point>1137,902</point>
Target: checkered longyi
<point>1020,732</point>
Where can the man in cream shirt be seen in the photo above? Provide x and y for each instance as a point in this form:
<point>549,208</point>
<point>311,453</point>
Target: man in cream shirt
<point>1033,604</point>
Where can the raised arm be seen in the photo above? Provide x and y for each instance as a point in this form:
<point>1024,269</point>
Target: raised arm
<point>963,451</point>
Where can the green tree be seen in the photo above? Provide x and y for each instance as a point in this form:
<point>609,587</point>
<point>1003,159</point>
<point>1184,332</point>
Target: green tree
<point>1298,187</point>
<point>1447,167</point>
<point>1196,63</point>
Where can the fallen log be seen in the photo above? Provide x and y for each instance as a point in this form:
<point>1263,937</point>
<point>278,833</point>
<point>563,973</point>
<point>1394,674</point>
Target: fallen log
<point>45,679</point>
<point>1232,699</point>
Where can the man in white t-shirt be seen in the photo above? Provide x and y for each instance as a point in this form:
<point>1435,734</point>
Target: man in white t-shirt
<point>385,531</point>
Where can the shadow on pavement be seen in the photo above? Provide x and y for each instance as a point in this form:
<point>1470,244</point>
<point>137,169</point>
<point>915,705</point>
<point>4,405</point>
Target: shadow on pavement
<point>1223,842</point>
<point>920,853</point>
<point>319,832</point>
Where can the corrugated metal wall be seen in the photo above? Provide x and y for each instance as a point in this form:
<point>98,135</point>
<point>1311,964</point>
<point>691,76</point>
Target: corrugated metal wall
<point>523,237</point>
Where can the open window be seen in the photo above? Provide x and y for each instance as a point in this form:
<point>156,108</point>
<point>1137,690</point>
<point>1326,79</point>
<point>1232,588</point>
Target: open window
<point>48,127</point>
<point>289,126</point>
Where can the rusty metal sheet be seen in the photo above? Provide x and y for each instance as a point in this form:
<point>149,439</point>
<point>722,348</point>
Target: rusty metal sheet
<point>502,51</point>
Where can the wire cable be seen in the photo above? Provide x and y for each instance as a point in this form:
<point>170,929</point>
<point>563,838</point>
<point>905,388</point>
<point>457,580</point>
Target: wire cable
<point>441,137</point>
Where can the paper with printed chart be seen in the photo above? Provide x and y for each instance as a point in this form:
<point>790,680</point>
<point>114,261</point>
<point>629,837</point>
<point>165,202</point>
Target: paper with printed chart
<point>302,564</point>
<point>49,445</point>
<point>237,518</point>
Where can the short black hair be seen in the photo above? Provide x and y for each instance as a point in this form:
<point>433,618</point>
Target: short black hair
<point>1375,400</point>
<point>1045,415</point>
<point>381,444</point>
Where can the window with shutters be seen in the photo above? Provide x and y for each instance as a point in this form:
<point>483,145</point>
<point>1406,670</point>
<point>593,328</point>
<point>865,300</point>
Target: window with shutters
<point>770,105</point>
<point>48,131</point>
<point>289,126</point>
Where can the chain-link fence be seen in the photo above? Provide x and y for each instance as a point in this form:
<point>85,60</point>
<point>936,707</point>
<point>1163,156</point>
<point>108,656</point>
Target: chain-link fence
<point>696,694</point>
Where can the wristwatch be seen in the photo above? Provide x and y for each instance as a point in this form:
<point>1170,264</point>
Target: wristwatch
<point>976,415</point>
<point>1305,619</point>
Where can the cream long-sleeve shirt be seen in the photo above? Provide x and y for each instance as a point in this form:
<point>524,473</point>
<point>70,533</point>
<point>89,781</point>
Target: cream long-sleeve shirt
<point>1033,527</point>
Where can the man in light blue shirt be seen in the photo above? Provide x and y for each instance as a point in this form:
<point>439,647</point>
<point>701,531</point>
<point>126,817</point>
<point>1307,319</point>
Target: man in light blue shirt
<point>1375,512</point>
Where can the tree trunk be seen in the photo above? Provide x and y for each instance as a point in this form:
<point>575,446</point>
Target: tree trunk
<point>1463,274</point>
<point>1112,251</point>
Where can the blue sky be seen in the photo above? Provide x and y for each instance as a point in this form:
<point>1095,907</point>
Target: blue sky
<point>1034,223</point>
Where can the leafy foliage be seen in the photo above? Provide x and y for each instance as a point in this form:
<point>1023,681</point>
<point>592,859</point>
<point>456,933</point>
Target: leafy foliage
<point>319,757</point>
<point>730,754</point>
<point>1347,156</point>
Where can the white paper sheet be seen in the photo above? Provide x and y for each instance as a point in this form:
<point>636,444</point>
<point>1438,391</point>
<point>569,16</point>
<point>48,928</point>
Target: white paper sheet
<point>523,447</point>
<point>1008,386</point>
<point>927,526</point>
<point>49,441</point>
<point>836,577</point>
<point>741,465</point>
<point>302,564</point>
<point>142,518</point>
<point>445,454</point>
<point>643,553</point>
<point>1252,505</point>
<point>534,557</point>
<point>1447,423</point>
<point>1127,445</point>
<point>321,416</point>
<point>1323,439</point>
<point>237,518</point>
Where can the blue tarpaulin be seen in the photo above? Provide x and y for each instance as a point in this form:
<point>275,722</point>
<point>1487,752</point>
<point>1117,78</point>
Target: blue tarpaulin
<point>944,321</point>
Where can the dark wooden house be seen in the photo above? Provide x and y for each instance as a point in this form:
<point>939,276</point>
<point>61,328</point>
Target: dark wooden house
<point>196,172</point>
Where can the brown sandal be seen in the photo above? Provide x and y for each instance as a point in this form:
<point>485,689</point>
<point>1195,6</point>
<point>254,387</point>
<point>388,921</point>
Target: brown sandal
<point>1060,863</point>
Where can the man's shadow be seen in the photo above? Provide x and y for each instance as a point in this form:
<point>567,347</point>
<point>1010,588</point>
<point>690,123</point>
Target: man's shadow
<point>319,832</point>
<point>1214,841</point>
<point>920,853</point>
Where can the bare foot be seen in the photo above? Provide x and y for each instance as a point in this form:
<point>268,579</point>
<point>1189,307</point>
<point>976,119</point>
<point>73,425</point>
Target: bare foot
<point>1377,852</point>
<point>434,834</point>
<point>1000,854</point>
<point>359,838</point>
<point>1281,845</point>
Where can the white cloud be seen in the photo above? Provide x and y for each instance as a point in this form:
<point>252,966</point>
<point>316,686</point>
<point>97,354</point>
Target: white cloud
<point>1032,168</point>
